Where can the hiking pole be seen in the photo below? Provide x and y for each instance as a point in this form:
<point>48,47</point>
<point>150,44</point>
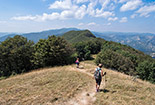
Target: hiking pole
<point>104,79</point>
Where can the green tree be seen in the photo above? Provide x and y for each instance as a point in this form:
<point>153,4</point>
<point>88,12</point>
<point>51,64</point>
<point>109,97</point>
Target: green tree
<point>51,52</point>
<point>146,70</point>
<point>85,49</point>
<point>113,60</point>
<point>16,54</point>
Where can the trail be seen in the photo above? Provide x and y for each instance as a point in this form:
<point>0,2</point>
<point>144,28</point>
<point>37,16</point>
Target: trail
<point>86,97</point>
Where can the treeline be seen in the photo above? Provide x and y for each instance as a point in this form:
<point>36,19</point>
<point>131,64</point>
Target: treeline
<point>18,55</point>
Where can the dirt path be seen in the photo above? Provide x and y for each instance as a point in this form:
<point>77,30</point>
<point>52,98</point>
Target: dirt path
<point>86,97</point>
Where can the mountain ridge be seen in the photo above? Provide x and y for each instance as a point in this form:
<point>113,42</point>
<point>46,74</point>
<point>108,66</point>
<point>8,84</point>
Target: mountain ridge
<point>142,41</point>
<point>76,36</point>
<point>40,35</point>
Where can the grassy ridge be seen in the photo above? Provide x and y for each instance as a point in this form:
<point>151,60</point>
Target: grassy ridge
<point>48,86</point>
<point>78,36</point>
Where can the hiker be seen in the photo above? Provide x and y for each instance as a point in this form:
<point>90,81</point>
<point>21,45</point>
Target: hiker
<point>98,76</point>
<point>77,62</point>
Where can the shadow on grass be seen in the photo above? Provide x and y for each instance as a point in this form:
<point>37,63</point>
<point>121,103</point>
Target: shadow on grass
<point>106,91</point>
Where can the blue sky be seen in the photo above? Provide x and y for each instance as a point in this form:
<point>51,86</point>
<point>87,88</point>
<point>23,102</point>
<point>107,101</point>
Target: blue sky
<point>96,15</point>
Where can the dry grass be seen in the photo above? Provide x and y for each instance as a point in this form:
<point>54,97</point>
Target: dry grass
<point>122,90</point>
<point>47,86</point>
<point>59,84</point>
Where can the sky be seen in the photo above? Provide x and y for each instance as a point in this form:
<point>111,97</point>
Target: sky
<point>25,16</point>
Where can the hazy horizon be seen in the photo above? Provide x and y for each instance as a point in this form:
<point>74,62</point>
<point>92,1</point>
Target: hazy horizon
<point>72,27</point>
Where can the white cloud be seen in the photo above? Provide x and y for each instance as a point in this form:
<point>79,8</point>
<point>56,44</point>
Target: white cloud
<point>75,12</point>
<point>96,12</point>
<point>131,5</point>
<point>109,24</point>
<point>80,1</point>
<point>70,9</point>
<point>112,19</point>
<point>81,24</point>
<point>66,14</point>
<point>133,16</point>
<point>144,11</point>
<point>80,13</point>
<point>90,9</point>
<point>66,4</point>
<point>112,6</point>
<point>122,1</point>
<point>123,20</point>
<point>104,14</point>
<point>43,17</point>
<point>91,24</point>
<point>29,17</point>
<point>104,3</point>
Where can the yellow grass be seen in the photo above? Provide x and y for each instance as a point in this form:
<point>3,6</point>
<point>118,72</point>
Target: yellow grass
<point>59,84</point>
<point>120,89</point>
<point>47,86</point>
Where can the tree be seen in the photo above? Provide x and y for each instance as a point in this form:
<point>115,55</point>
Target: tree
<point>113,60</point>
<point>16,54</point>
<point>51,52</point>
<point>146,70</point>
<point>85,49</point>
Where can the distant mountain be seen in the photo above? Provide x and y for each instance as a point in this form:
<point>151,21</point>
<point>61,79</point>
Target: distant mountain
<point>44,34</point>
<point>35,36</point>
<point>144,42</point>
<point>4,37</point>
<point>3,34</point>
<point>76,36</point>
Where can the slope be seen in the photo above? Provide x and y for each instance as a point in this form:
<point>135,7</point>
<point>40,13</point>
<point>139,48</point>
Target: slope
<point>76,36</point>
<point>70,86</point>
<point>48,86</point>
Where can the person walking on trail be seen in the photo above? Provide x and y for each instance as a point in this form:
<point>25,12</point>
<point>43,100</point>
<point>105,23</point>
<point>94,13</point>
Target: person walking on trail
<point>98,76</point>
<point>77,62</point>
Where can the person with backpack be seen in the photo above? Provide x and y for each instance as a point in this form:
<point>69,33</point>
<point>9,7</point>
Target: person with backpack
<point>98,76</point>
<point>77,62</point>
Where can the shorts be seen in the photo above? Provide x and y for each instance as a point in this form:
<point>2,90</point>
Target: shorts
<point>77,63</point>
<point>98,81</point>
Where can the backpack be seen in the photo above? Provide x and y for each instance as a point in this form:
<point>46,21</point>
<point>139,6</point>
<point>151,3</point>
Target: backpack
<point>97,74</point>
